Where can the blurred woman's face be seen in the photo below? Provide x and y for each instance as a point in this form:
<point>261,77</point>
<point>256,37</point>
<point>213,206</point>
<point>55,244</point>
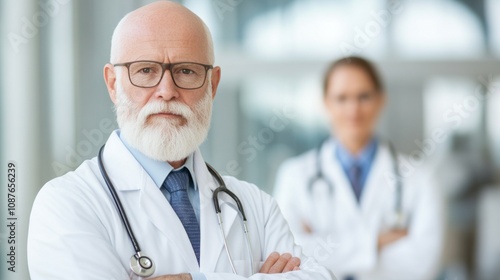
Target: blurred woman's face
<point>353,103</point>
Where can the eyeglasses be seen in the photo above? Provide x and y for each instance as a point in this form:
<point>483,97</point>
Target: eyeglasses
<point>148,74</point>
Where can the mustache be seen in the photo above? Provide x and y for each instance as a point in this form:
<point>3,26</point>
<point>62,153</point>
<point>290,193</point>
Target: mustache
<point>171,107</point>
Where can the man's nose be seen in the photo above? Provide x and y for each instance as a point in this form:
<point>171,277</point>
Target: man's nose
<point>167,89</point>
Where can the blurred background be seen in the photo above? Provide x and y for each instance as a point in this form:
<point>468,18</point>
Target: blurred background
<point>439,60</point>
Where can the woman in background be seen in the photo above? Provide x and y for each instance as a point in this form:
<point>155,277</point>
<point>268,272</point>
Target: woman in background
<point>347,202</point>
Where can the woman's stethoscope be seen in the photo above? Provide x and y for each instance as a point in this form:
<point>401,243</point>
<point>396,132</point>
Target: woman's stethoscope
<point>142,265</point>
<point>398,207</point>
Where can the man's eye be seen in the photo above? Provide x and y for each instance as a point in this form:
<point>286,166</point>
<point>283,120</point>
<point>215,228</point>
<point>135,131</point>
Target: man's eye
<point>146,70</point>
<point>187,71</point>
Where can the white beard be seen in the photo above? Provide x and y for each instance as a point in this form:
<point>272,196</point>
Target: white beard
<point>159,138</point>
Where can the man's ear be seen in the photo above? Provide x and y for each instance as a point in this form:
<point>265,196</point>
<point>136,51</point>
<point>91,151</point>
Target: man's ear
<point>110,80</point>
<point>216,72</point>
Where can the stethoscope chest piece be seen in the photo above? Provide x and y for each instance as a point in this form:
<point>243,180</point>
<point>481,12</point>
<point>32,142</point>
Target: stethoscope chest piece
<point>142,265</point>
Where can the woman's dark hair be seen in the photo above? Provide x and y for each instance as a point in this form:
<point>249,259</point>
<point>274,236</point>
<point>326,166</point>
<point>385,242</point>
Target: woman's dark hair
<point>355,61</point>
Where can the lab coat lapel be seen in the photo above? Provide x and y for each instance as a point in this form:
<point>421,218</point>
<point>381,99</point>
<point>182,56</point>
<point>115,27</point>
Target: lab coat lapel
<point>124,171</point>
<point>342,189</point>
<point>160,213</point>
<point>128,175</point>
<point>378,186</point>
<point>211,240</point>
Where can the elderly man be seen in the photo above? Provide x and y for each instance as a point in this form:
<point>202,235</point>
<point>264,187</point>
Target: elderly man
<point>162,83</point>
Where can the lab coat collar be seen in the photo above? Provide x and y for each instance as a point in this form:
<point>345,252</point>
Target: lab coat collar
<point>364,158</point>
<point>125,172</point>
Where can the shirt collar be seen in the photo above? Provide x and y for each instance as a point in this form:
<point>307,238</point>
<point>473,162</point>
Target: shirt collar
<point>364,158</point>
<point>159,170</point>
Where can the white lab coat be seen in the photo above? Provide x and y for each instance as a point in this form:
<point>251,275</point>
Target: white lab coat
<point>76,233</point>
<point>345,233</point>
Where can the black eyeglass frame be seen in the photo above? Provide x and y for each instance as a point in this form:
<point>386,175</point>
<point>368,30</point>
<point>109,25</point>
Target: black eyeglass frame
<point>164,67</point>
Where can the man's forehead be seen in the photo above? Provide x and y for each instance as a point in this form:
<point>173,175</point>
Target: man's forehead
<point>173,34</point>
<point>164,51</point>
<point>161,43</point>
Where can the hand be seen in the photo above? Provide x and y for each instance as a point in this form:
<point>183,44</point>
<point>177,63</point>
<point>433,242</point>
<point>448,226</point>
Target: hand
<point>391,236</point>
<point>183,276</point>
<point>277,263</point>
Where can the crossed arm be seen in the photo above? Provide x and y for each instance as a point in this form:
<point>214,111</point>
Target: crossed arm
<point>275,263</point>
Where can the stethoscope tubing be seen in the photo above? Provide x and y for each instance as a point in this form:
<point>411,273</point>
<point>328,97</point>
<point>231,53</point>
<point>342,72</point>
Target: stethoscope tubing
<point>118,203</point>
<point>149,270</point>
<point>215,197</point>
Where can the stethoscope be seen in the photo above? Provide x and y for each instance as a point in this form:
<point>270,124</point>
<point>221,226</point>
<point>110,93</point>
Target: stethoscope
<point>319,176</point>
<point>142,265</point>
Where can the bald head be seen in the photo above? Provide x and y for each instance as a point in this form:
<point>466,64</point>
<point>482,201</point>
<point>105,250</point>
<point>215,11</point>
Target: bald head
<point>162,31</point>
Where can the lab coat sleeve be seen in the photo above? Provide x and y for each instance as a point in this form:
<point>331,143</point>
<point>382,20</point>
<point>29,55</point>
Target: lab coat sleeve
<point>63,233</point>
<point>278,238</point>
<point>417,256</point>
<point>287,194</point>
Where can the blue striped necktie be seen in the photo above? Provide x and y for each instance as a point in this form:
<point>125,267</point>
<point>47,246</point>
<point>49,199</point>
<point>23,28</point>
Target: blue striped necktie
<point>176,184</point>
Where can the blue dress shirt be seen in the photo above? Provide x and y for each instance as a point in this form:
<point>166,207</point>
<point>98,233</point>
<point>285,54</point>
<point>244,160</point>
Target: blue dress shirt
<point>364,160</point>
<point>159,170</point>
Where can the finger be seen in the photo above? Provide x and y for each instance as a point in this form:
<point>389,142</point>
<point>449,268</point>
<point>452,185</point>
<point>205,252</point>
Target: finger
<point>292,263</point>
<point>296,268</point>
<point>280,263</point>
<point>271,260</point>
